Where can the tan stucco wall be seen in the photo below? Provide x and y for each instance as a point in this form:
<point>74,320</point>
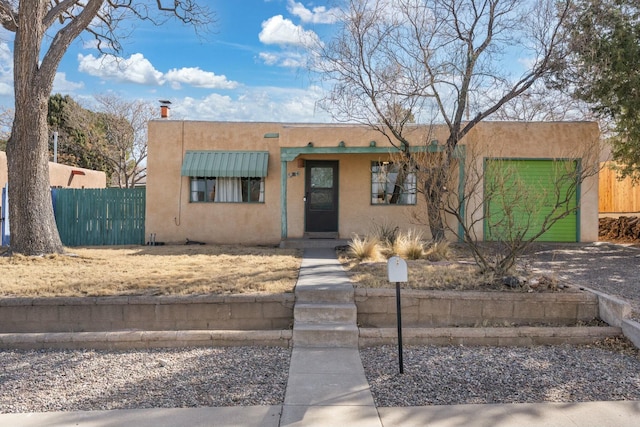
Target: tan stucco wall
<point>356,214</point>
<point>61,175</point>
<point>545,140</point>
<point>173,219</point>
<point>171,216</point>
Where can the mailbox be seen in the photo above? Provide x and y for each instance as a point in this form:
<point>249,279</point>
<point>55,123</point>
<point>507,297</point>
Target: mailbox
<point>397,270</point>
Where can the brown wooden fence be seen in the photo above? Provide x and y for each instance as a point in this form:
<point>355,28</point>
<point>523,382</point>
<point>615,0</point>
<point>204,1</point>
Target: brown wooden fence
<point>617,196</point>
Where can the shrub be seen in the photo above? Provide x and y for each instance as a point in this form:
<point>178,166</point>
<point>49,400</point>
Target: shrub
<point>386,233</point>
<point>363,248</point>
<point>438,251</point>
<point>409,245</point>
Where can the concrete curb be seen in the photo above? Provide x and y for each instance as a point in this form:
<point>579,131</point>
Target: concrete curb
<point>616,312</point>
<point>631,330</point>
<point>611,309</point>
<point>145,339</point>
<point>507,336</point>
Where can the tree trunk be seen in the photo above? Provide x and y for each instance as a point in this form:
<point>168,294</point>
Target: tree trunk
<point>434,191</point>
<point>33,226</point>
<point>398,188</point>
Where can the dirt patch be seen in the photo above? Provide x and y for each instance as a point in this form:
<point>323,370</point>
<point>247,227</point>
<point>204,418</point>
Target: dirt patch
<point>151,270</point>
<point>458,273</point>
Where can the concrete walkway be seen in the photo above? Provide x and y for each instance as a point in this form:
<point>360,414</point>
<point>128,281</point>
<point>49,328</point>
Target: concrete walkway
<point>327,386</point>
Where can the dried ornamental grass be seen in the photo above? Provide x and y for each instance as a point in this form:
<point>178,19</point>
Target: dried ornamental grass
<point>409,245</point>
<point>365,248</point>
<point>439,251</point>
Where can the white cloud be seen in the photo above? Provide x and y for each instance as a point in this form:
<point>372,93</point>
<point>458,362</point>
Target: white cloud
<point>280,31</point>
<point>269,104</point>
<point>138,69</point>
<point>62,85</point>
<point>6,89</point>
<point>198,78</point>
<point>135,69</point>
<point>269,58</point>
<point>284,59</point>
<point>90,44</point>
<point>6,59</point>
<point>318,15</point>
<point>6,70</point>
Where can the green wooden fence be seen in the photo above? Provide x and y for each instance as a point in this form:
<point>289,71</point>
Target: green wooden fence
<point>95,217</point>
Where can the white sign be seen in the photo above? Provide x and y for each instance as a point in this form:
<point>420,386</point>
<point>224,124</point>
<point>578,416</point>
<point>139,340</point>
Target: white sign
<point>397,269</point>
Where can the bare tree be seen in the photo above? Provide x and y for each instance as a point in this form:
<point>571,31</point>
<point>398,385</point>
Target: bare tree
<point>542,103</point>
<point>6,118</point>
<point>516,213</point>
<point>125,124</point>
<point>445,61</point>
<point>44,29</point>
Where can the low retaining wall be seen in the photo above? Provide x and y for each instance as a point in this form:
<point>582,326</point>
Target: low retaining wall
<point>435,309</point>
<point>515,336</point>
<point>171,313</point>
<point>429,317</point>
<point>124,340</point>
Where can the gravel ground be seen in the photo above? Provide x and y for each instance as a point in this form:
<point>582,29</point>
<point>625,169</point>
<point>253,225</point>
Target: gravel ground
<point>59,380</point>
<point>460,375</point>
<point>607,267</point>
<point>64,380</point>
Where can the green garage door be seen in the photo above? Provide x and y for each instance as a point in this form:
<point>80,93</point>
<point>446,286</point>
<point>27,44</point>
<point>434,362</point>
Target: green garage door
<point>520,194</point>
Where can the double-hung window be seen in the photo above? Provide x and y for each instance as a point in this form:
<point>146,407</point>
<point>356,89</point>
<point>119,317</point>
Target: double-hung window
<point>390,185</point>
<point>226,176</point>
<point>231,190</point>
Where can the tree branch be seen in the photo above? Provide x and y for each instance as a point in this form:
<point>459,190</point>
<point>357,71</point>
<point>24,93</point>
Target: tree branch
<point>8,16</point>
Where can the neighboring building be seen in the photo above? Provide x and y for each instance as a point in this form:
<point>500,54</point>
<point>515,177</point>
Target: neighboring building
<point>262,183</point>
<point>62,176</point>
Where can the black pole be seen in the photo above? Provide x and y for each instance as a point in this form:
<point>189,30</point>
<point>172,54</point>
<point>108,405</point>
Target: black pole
<point>399,313</point>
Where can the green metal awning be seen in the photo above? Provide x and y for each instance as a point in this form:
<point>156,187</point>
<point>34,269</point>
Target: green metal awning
<point>225,164</point>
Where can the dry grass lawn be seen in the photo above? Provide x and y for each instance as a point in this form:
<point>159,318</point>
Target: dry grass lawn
<point>151,270</point>
<point>211,269</point>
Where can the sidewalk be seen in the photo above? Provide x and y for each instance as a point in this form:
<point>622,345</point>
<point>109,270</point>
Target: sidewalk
<point>327,387</point>
<point>589,414</point>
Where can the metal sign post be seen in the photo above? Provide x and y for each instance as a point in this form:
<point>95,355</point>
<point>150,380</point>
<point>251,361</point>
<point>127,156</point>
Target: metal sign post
<point>397,270</point>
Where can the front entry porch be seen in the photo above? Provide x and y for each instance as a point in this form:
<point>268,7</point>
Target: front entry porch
<point>313,242</point>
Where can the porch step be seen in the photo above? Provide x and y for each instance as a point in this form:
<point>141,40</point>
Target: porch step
<point>342,335</point>
<point>313,243</point>
<point>325,313</point>
<point>333,294</point>
<point>320,235</point>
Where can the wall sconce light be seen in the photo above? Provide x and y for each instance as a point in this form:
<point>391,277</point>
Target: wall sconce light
<point>341,144</point>
<point>310,144</point>
<point>372,144</point>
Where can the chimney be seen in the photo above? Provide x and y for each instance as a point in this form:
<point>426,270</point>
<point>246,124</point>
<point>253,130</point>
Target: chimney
<point>164,108</point>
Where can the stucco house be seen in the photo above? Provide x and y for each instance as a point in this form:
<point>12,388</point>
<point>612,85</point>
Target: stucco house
<point>62,176</point>
<point>267,183</point>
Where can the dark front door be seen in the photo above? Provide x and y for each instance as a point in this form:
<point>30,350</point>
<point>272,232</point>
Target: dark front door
<point>321,196</point>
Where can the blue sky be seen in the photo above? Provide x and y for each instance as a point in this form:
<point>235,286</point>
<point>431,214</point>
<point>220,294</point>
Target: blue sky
<point>249,68</point>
